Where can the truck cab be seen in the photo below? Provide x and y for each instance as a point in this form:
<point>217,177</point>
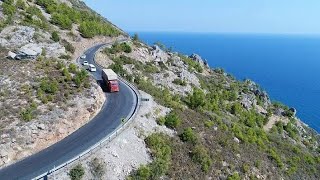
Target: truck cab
<point>113,86</point>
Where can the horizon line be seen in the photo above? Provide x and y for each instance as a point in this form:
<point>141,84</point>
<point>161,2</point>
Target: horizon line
<point>216,32</point>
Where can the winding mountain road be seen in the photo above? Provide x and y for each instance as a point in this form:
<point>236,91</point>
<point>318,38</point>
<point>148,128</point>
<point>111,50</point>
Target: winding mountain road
<point>117,106</point>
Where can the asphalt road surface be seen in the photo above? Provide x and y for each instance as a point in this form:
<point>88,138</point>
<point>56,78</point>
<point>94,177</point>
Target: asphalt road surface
<point>117,106</point>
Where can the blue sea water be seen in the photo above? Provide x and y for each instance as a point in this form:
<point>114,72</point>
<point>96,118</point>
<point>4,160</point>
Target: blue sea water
<point>286,66</point>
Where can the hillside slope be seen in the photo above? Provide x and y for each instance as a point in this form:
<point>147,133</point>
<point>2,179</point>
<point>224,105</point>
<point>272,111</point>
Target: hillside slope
<point>224,128</point>
<point>46,97</point>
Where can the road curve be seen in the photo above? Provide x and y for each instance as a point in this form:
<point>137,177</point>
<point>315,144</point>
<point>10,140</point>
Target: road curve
<point>117,106</point>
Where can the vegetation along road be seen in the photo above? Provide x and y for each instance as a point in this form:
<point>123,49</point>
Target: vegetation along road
<point>117,106</point>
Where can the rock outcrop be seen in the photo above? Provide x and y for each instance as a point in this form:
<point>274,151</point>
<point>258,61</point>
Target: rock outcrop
<point>199,59</point>
<point>158,54</point>
<point>16,36</point>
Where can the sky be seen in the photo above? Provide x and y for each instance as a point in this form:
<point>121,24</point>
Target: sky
<point>220,16</point>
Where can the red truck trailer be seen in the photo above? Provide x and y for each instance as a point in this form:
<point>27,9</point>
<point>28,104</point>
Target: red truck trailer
<point>111,79</point>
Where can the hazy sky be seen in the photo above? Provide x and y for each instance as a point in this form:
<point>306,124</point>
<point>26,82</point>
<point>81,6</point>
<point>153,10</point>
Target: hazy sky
<point>242,16</point>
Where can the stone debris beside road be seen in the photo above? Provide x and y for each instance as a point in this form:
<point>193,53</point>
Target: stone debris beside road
<point>128,150</point>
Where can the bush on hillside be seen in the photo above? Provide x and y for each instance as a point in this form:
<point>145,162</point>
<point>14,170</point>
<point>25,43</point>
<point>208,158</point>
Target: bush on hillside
<point>116,48</point>
<point>234,176</point>
<point>8,8</point>
<point>161,150</point>
<point>188,135</point>
<point>97,168</point>
<point>196,99</point>
<point>49,86</point>
<point>62,21</point>
<point>172,120</point>
<point>69,47</point>
<point>77,172</point>
<point>89,29</point>
<point>179,81</point>
<point>55,36</point>
<point>21,4</point>
<point>200,155</point>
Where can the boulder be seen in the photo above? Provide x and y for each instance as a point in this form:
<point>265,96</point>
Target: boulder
<point>41,126</point>
<point>176,61</point>
<point>279,112</point>
<point>157,53</point>
<point>253,87</point>
<point>248,100</point>
<point>235,139</point>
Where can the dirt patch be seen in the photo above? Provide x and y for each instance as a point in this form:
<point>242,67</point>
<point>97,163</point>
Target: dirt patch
<point>273,120</point>
<point>103,59</point>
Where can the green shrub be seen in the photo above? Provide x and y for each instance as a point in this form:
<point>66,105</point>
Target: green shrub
<point>309,159</point>
<point>208,124</point>
<point>21,4</point>
<point>124,60</point>
<point>245,167</point>
<point>73,68</point>
<point>90,23</point>
<point>291,129</point>
<point>179,82</point>
<point>188,135</point>
<point>77,172</point>
<point>150,68</point>
<point>143,173</point>
<point>8,8</point>
<point>172,120</point>
<point>62,21</point>
<point>68,46</point>
<point>196,99</point>
<point>161,95</point>
<point>65,56</point>
<point>276,158</point>
<point>126,48</point>
<point>117,67</point>
<point>279,127</point>
<point>234,176</point>
<point>49,86</point>
<point>97,168</point>
<point>135,37</point>
<point>80,77</point>
<point>28,113</point>
<point>89,29</point>
<point>55,36</point>
<point>66,73</point>
<point>200,155</point>
<point>192,64</point>
<point>161,150</point>
<point>161,121</point>
<point>236,109</point>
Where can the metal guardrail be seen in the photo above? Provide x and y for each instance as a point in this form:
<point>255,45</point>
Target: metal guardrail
<point>109,137</point>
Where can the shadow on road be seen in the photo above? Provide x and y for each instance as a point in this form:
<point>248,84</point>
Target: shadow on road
<point>103,85</point>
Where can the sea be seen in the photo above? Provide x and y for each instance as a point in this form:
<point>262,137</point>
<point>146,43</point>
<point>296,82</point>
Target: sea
<point>286,66</point>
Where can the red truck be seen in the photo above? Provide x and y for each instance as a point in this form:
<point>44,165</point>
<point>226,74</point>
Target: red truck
<point>111,79</point>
